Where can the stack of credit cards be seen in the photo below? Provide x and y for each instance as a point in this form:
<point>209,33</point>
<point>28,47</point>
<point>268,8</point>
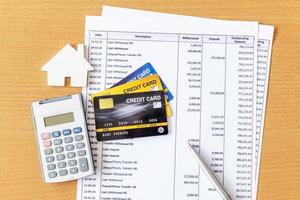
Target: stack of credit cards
<point>137,106</point>
<point>132,115</point>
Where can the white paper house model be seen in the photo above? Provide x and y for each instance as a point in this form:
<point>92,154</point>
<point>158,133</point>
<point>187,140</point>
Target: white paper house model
<point>68,63</point>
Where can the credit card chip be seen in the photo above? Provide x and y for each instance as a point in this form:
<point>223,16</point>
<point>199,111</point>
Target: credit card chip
<point>106,103</point>
<point>157,104</point>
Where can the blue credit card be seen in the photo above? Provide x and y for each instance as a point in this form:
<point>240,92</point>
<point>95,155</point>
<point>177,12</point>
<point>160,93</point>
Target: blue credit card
<point>145,70</point>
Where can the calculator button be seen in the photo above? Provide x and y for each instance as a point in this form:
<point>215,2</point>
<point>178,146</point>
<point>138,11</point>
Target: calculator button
<point>71,155</point>
<point>63,172</point>
<point>80,145</point>
<point>67,132</point>
<point>70,147</point>
<point>45,136</point>
<point>72,162</point>
<point>49,159</point>
<point>68,139</point>
<point>56,134</point>
<point>78,137</point>
<point>83,164</point>
<point>51,166</point>
<point>52,174</point>
<point>81,153</point>
<point>48,151</point>
<point>73,170</point>
<point>77,130</point>
<point>61,164</point>
<point>60,156</point>
<point>47,143</point>
<point>59,149</point>
<point>57,141</point>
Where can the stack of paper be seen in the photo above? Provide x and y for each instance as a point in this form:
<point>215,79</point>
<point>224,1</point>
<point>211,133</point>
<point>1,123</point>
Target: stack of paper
<point>218,73</point>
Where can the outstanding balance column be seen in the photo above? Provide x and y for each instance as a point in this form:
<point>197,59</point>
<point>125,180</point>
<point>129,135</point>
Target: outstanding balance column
<point>240,99</point>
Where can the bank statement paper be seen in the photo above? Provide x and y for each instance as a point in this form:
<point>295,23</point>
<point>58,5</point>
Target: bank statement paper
<point>264,52</point>
<point>264,48</point>
<point>213,109</point>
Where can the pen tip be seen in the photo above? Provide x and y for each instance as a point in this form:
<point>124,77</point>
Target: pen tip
<point>189,145</point>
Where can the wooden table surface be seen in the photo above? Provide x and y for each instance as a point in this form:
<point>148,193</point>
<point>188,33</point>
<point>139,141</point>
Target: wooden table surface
<point>32,31</point>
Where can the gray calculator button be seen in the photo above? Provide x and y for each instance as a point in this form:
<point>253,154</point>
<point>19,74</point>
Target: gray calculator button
<point>79,137</point>
<point>80,145</point>
<point>60,156</point>
<point>73,170</point>
<point>71,155</point>
<point>51,166</point>
<point>77,130</point>
<point>83,164</point>
<point>61,164</point>
<point>59,149</point>
<point>48,151</point>
<point>67,132</point>
<point>72,162</point>
<point>68,139</point>
<point>70,147</point>
<point>81,153</point>
<point>52,174</point>
<point>49,159</point>
<point>63,172</point>
<point>57,142</point>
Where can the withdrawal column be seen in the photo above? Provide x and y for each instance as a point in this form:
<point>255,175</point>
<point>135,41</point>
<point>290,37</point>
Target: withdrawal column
<point>188,116</point>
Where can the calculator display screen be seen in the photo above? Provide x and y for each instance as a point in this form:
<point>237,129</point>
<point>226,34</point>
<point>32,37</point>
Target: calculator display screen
<point>59,119</point>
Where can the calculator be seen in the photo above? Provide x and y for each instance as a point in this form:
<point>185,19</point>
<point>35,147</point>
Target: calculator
<point>62,138</point>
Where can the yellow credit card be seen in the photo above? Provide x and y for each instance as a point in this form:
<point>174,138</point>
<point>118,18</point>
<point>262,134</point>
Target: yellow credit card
<point>147,84</point>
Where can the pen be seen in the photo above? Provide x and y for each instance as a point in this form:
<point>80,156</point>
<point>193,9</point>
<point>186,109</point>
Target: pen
<point>213,179</point>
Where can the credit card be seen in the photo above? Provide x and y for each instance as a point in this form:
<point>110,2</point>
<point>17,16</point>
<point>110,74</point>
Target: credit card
<point>144,71</point>
<point>149,83</point>
<point>130,115</point>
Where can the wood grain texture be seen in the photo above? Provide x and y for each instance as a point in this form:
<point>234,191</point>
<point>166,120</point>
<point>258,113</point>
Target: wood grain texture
<point>32,31</point>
